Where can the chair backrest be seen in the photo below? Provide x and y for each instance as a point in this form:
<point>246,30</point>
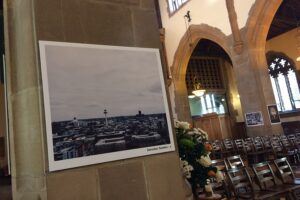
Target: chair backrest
<point>292,138</point>
<point>277,147</point>
<point>286,143</point>
<point>240,181</point>
<point>249,140</point>
<point>267,142</point>
<point>264,175</point>
<point>275,138</point>
<point>228,145</point>
<point>283,137</point>
<point>258,146</point>
<point>239,144</point>
<point>248,147</point>
<point>258,139</point>
<point>220,164</point>
<point>235,162</point>
<point>284,170</point>
<point>216,145</point>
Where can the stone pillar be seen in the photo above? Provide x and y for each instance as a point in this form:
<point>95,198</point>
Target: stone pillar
<point>238,43</point>
<point>250,67</point>
<point>255,88</point>
<point>106,22</point>
<point>24,102</point>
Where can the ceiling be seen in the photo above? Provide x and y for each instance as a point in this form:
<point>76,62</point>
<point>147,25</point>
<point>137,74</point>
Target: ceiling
<point>209,48</point>
<point>285,19</point>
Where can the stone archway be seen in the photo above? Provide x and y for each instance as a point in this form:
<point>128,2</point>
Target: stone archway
<point>184,50</point>
<point>250,66</point>
<point>259,22</point>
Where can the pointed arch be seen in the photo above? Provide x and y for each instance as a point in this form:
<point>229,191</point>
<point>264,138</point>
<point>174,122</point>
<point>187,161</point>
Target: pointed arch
<point>258,24</point>
<point>181,58</point>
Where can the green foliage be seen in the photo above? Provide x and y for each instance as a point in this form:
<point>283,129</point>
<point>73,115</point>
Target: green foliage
<point>194,152</point>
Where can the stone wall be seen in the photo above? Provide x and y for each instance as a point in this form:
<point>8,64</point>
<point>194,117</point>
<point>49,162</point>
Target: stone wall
<point>108,22</point>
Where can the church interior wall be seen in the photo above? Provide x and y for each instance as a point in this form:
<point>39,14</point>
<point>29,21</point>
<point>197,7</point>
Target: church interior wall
<point>286,43</point>
<point>103,22</point>
<point>119,23</point>
<point>202,12</point>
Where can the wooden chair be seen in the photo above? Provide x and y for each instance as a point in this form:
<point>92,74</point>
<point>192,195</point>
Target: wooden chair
<point>223,187</point>
<point>278,149</point>
<point>259,153</point>
<point>234,162</point>
<point>287,176</point>
<point>242,186</point>
<point>285,171</point>
<point>257,139</point>
<point>266,141</point>
<point>220,164</point>
<point>249,151</point>
<point>265,178</point>
<point>289,148</point>
<point>291,137</point>
<point>228,148</point>
<point>216,152</point>
<point>296,143</point>
<point>239,147</point>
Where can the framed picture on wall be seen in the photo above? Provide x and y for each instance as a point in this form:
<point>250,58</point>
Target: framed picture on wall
<point>254,119</point>
<point>103,103</point>
<point>273,114</point>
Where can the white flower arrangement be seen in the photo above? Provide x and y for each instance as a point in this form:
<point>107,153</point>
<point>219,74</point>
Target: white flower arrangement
<point>194,152</point>
<point>205,161</point>
<point>187,168</point>
<point>183,125</point>
<point>219,176</point>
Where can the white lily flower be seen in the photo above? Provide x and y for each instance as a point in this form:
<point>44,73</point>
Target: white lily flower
<point>219,176</point>
<point>205,161</point>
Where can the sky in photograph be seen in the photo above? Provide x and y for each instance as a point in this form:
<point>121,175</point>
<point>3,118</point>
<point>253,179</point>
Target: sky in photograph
<point>83,81</point>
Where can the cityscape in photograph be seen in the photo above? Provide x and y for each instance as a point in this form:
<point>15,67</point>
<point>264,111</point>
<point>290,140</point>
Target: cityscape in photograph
<point>85,137</point>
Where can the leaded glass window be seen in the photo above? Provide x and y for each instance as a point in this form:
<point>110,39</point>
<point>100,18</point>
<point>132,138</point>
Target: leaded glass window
<point>284,84</point>
<point>175,4</point>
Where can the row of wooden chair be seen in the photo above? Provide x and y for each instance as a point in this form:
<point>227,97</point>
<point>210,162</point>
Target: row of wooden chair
<point>238,182</point>
<point>258,149</point>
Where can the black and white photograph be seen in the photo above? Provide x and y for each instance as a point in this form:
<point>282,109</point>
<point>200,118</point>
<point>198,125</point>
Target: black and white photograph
<point>103,103</point>
<point>273,114</point>
<point>254,119</point>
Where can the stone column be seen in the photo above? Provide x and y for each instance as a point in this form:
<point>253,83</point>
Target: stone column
<point>106,22</point>
<point>250,67</point>
<point>255,88</point>
<point>238,43</point>
<point>24,102</point>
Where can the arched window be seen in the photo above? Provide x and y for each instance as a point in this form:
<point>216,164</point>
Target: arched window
<point>284,82</point>
<point>176,4</point>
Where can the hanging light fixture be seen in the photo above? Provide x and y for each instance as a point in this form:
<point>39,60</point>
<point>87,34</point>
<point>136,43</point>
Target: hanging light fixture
<point>198,89</point>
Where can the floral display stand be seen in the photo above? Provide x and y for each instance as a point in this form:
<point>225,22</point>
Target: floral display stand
<point>194,151</point>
